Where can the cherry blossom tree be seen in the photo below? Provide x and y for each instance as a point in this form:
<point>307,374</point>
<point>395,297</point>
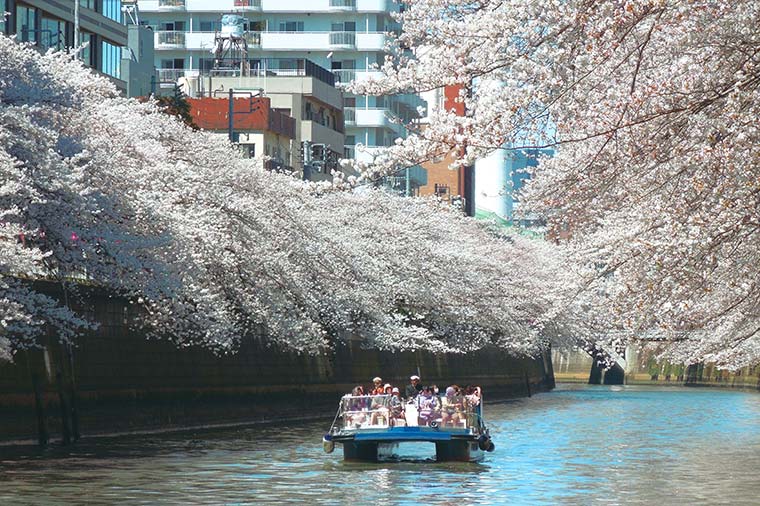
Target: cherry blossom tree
<point>96,189</point>
<point>652,108</point>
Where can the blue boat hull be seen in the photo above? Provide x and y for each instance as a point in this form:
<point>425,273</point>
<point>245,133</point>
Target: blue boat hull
<point>372,446</point>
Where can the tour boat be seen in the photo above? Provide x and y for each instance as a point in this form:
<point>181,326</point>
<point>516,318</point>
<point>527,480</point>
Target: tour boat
<point>369,432</point>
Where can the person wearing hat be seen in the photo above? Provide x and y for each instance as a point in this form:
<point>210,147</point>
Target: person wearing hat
<point>413,388</point>
<point>377,388</point>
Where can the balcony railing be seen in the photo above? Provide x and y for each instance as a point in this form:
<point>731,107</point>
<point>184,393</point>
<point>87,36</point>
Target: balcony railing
<point>349,115</point>
<point>253,39</point>
<point>343,5</point>
<point>170,39</point>
<point>168,77</point>
<point>343,39</point>
<point>345,76</point>
<point>171,5</point>
<point>248,5</point>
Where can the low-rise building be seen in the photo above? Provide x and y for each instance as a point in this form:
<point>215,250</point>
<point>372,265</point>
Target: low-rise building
<point>296,88</point>
<point>257,128</point>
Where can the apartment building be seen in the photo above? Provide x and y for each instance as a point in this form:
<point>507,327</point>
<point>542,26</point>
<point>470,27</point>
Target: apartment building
<point>124,53</point>
<point>346,37</point>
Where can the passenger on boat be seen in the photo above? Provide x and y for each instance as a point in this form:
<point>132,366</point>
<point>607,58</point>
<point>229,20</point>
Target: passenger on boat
<point>413,388</point>
<point>472,403</point>
<point>388,389</point>
<point>452,407</point>
<point>377,389</point>
<point>427,406</point>
<point>380,409</point>
<point>397,409</point>
<point>355,407</point>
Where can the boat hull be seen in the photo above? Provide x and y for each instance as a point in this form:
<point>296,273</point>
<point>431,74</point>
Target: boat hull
<point>453,450</point>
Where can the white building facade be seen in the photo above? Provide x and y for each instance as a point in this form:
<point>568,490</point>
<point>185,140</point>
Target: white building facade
<point>347,37</point>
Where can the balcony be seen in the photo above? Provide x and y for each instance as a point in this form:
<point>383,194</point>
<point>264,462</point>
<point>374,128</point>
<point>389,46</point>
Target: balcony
<point>272,6</point>
<point>343,40</point>
<point>373,117</point>
<point>171,5</point>
<point>342,5</point>
<point>168,77</point>
<point>247,5</point>
<point>349,115</point>
<point>347,75</point>
<point>170,40</point>
<point>253,39</point>
<point>278,41</point>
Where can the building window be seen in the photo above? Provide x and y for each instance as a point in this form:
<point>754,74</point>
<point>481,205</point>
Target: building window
<point>88,4</point>
<point>291,26</point>
<point>26,20</point>
<point>173,26</point>
<point>441,190</point>
<point>345,26</point>
<point>52,33</point>
<point>210,26</point>
<point>87,53</point>
<point>175,63</point>
<point>112,9</point>
<point>111,59</point>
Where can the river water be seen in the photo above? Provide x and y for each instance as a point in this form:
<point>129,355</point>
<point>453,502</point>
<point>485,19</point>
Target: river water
<point>576,445</point>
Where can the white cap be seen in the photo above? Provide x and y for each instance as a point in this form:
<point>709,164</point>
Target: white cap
<point>377,378</point>
<point>414,377</point>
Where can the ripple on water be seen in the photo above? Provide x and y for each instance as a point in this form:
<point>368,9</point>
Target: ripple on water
<point>590,445</point>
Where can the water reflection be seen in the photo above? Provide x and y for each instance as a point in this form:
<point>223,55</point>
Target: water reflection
<point>590,445</point>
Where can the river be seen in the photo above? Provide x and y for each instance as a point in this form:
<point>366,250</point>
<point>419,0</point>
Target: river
<point>576,445</point>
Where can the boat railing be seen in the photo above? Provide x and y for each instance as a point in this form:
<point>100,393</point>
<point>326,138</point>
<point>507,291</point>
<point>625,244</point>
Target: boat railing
<point>365,411</point>
<point>382,412</point>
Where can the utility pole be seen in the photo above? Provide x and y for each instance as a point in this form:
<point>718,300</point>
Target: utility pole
<point>469,190</point>
<point>469,174</point>
<point>306,147</point>
<point>76,24</point>
<point>231,112</point>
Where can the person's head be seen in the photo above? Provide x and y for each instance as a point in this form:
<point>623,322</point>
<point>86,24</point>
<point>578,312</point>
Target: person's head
<point>451,392</point>
<point>427,391</point>
<point>434,389</point>
<point>395,391</point>
<point>414,379</point>
<point>358,390</point>
<point>387,388</point>
<point>377,381</point>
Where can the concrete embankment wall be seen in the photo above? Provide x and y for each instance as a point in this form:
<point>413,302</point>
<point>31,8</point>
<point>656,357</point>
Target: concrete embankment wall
<point>121,381</point>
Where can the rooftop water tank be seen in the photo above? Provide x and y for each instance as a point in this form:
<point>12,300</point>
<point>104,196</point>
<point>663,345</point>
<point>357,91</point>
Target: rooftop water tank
<point>232,25</point>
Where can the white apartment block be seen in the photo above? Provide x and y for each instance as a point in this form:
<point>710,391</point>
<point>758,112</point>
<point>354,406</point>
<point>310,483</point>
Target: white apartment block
<point>345,36</point>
